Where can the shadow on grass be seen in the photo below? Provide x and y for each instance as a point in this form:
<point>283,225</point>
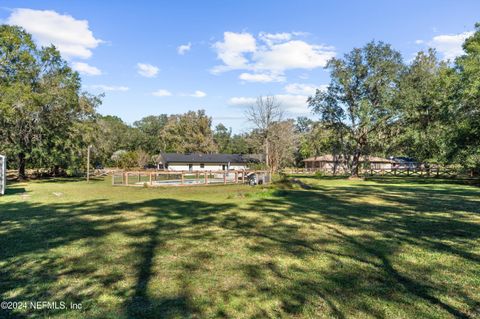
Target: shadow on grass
<point>297,253</point>
<point>437,220</point>
<point>30,264</point>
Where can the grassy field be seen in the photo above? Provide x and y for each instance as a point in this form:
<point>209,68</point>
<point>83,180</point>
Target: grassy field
<point>386,248</point>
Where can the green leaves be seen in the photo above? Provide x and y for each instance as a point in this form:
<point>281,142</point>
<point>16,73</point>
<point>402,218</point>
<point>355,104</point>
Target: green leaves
<point>40,103</point>
<point>359,103</point>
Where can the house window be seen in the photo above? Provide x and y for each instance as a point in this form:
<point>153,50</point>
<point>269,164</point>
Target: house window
<point>202,165</point>
<point>223,167</point>
<point>190,167</point>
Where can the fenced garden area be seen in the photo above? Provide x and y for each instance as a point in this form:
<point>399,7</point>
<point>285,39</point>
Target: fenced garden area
<point>185,178</point>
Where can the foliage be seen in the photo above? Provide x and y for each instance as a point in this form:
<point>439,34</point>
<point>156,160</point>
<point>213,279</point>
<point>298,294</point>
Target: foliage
<point>464,142</point>
<point>359,102</point>
<point>222,137</point>
<point>423,102</point>
<point>41,103</point>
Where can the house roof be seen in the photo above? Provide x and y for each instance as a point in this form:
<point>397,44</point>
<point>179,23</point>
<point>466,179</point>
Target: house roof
<point>329,158</point>
<point>403,159</point>
<point>206,158</point>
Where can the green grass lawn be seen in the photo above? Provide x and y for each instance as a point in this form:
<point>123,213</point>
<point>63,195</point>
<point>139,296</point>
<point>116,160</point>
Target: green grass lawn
<point>386,248</point>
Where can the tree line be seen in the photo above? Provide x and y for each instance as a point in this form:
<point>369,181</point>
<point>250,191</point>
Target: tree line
<point>375,104</point>
<point>427,109</point>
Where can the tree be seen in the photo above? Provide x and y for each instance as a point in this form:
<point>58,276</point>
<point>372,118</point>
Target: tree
<point>239,144</point>
<point>222,137</point>
<point>263,115</point>
<point>423,95</point>
<point>464,141</point>
<point>189,132</point>
<point>112,134</point>
<point>150,133</point>
<point>359,103</point>
<point>283,143</point>
<point>40,101</point>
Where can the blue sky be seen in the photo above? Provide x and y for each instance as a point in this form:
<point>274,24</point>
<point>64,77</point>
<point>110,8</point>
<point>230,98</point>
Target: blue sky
<point>169,57</point>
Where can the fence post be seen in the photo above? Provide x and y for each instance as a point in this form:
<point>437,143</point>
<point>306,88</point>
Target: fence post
<point>113,178</point>
<point>206,177</point>
<point>182,178</point>
<point>408,171</point>
<point>151,179</point>
<point>224,177</point>
<point>126,178</point>
<point>236,177</point>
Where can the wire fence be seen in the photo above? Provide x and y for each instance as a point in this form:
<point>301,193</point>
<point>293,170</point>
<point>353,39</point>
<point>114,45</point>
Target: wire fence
<point>182,178</point>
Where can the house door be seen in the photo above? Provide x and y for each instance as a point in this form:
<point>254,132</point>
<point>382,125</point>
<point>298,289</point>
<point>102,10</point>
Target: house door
<point>223,167</point>
<point>190,167</point>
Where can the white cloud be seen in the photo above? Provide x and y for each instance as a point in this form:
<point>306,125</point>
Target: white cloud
<point>162,92</point>
<point>268,59</point>
<point>419,41</point>
<point>184,48</point>
<point>147,70</point>
<point>261,77</point>
<point>103,87</point>
<point>293,54</point>
<point>304,89</point>
<point>231,51</point>
<point>72,37</point>
<point>449,45</point>
<point>271,38</point>
<point>85,68</point>
<point>294,104</point>
<point>241,101</point>
<point>198,94</point>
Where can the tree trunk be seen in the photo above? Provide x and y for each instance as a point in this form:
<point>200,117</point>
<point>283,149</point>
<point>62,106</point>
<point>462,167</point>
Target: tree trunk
<point>355,164</point>
<point>21,166</point>
<point>267,153</point>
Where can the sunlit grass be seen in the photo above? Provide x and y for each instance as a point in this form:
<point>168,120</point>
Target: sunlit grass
<point>388,248</point>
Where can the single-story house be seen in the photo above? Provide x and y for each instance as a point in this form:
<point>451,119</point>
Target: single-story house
<point>204,162</point>
<point>338,164</point>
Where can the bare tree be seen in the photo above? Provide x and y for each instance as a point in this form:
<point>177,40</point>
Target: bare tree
<point>263,115</point>
<point>283,142</point>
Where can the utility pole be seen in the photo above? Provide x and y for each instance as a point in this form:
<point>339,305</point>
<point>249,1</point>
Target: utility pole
<point>88,162</point>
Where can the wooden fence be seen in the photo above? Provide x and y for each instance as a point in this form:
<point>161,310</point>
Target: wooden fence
<point>186,178</point>
<point>436,171</point>
<point>439,172</point>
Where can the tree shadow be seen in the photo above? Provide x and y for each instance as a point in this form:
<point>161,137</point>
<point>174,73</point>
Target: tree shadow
<point>328,251</point>
<point>33,257</point>
<point>440,221</point>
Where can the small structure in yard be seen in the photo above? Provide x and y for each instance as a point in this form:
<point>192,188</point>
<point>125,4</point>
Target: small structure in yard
<point>3,174</point>
<point>204,162</point>
<point>337,164</point>
<point>183,178</point>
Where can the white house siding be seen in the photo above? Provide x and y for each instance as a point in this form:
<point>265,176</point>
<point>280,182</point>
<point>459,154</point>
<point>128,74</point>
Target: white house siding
<point>207,166</point>
<point>386,166</point>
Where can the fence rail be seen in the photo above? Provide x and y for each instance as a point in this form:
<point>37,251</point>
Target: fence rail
<point>437,171</point>
<point>186,178</point>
